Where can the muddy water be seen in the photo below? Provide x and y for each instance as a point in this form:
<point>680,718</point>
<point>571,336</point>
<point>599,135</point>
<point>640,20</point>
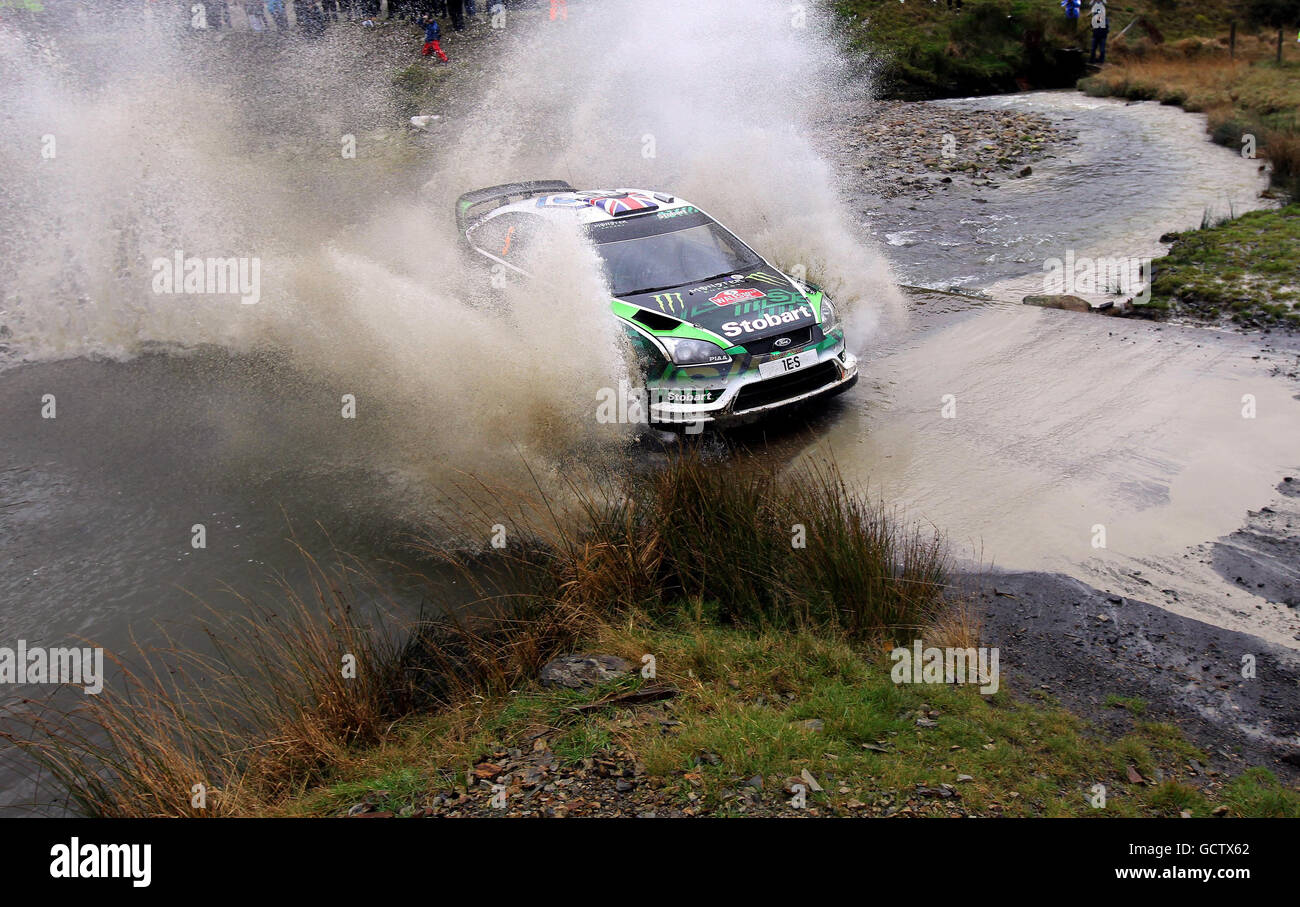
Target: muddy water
<point>1133,172</point>
<point>1063,426</point>
<point>1062,423</point>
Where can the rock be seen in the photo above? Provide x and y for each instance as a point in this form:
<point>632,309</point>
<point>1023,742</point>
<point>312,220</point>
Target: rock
<point>425,121</point>
<point>486,771</point>
<point>1134,777</point>
<point>811,725</point>
<point>943,791</point>
<point>1025,171</point>
<point>579,671</point>
<point>1219,811</point>
<point>961,778</point>
<point>926,722</point>
<point>755,782</point>
<point>1062,301</point>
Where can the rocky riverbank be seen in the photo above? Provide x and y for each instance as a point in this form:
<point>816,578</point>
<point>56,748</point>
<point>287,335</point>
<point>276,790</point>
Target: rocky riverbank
<point>740,723</point>
<point>916,149</point>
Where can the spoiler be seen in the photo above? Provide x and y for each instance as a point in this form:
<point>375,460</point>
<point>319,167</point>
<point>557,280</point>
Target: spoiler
<point>467,204</point>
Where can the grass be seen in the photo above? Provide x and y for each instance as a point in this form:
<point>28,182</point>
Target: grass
<point>751,645</point>
<point>927,49</point>
<point>1250,101</point>
<point>291,690</point>
<point>742,694</point>
<point>989,46</point>
<point>280,698</point>
<point>1244,269</point>
<point>1135,705</point>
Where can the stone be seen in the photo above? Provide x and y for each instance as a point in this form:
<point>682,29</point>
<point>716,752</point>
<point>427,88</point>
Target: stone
<point>580,671</point>
<point>1063,301</point>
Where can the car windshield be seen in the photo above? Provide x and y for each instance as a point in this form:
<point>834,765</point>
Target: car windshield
<point>664,260</point>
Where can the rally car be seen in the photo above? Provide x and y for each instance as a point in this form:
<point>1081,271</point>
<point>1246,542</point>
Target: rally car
<point>721,335</point>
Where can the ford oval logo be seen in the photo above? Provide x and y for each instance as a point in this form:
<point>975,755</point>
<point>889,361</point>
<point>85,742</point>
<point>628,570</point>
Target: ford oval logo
<point>781,342</point>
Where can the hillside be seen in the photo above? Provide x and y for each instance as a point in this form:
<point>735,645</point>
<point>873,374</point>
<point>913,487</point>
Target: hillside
<point>987,46</point>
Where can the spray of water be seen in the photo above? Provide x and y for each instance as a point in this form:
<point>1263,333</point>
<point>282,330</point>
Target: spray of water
<point>165,142</point>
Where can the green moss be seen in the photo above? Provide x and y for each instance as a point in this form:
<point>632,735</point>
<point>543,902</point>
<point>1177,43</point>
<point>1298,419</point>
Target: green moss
<point>1248,265</point>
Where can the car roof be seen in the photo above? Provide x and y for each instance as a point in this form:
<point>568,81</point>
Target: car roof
<point>588,206</point>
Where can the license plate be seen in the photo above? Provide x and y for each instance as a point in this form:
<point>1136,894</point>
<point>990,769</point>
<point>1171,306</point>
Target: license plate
<point>787,364</point>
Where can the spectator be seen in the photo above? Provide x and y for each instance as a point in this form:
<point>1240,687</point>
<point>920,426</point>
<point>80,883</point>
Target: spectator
<point>456,9</point>
<point>431,35</point>
<point>217,13</point>
<point>1100,26</point>
<point>1071,12</point>
<point>311,21</point>
<point>275,10</point>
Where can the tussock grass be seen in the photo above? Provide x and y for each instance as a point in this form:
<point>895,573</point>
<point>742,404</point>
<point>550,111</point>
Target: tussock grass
<point>277,708</point>
<point>262,716</point>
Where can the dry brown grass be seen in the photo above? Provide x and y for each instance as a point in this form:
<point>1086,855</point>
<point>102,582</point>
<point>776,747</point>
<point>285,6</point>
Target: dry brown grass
<point>1247,96</point>
<point>261,716</point>
<point>271,711</point>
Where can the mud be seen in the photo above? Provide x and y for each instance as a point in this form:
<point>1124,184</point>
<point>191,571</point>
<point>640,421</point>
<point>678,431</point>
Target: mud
<point>1077,645</point>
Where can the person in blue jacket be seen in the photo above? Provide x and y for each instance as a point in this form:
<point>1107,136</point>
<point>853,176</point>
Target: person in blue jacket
<point>431,35</point>
<point>275,9</point>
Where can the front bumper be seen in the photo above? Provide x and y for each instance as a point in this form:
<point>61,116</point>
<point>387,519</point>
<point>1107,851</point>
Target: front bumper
<point>748,396</point>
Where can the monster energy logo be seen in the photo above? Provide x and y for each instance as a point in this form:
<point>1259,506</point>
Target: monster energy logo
<point>766,278</point>
<point>668,302</point>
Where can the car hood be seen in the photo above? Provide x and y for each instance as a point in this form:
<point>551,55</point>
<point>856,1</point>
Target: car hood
<point>738,308</point>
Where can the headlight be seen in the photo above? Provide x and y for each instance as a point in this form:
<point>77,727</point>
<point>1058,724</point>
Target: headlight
<point>694,352</point>
<point>830,318</point>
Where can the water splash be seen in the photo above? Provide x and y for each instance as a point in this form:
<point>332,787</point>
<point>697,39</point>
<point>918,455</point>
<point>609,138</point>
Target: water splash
<point>166,142</point>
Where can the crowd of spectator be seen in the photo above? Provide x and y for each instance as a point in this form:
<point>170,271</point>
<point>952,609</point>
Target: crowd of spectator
<point>316,15</point>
